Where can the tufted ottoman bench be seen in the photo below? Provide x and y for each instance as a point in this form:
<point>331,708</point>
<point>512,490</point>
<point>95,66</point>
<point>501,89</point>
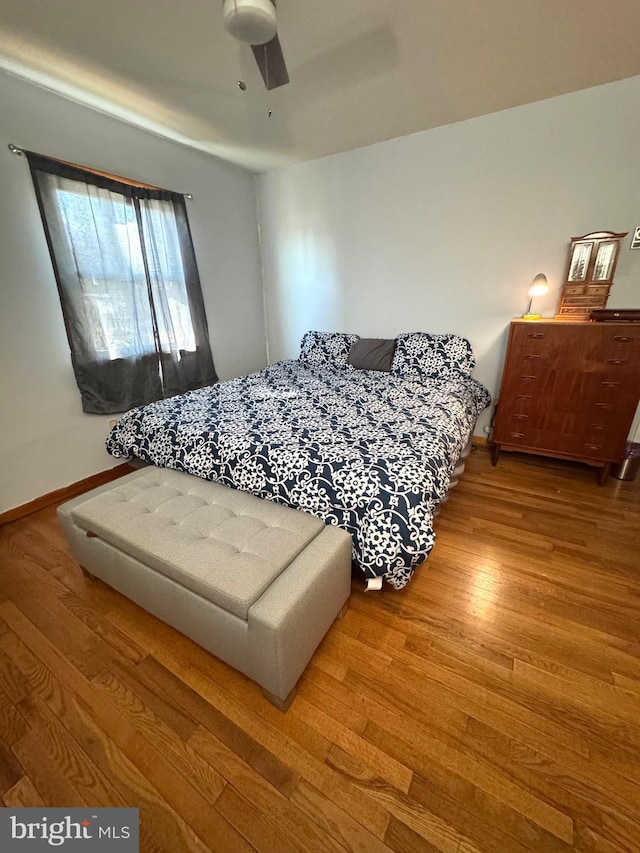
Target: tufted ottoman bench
<point>255,583</point>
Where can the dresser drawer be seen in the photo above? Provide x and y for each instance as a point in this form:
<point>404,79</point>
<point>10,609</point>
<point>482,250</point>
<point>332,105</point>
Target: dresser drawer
<point>576,313</point>
<point>621,347</point>
<point>597,290</point>
<point>588,301</point>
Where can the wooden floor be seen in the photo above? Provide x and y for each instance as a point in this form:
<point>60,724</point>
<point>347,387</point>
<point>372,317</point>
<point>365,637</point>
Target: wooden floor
<point>492,705</point>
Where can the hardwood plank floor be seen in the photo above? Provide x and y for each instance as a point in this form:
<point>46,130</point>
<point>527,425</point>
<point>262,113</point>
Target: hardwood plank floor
<point>492,706</point>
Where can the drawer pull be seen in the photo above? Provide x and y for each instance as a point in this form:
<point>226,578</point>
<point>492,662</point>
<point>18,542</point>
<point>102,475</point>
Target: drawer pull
<point>622,338</point>
<point>616,361</point>
<point>604,405</point>
<point>597,426</point>
<point>516,434</point>
<point>536,335</point>
<point>527,377</point>
<point>523,397</point>
<point>593,446</point>
<point>532,356</point>
<point>520,417</point>
<point>608,384</point>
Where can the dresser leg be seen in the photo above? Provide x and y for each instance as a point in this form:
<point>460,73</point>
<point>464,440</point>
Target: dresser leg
<point>604,473</point>
<point>495,453</point>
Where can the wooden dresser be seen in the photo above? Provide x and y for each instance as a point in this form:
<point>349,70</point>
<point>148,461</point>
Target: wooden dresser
<point>569,390</point>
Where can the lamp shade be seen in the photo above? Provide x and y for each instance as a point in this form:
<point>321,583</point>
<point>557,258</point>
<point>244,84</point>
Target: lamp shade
<point>250,21</point>
<point>539,286</point>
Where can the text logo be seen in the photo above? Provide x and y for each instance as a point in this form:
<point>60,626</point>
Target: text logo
<point>104,830</point>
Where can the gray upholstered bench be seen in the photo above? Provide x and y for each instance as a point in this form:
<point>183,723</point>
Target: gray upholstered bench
<point>255,583</point>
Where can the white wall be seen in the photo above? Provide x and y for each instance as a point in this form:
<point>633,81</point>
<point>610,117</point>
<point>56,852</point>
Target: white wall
<point>443,231</point>
<point>46,442</point>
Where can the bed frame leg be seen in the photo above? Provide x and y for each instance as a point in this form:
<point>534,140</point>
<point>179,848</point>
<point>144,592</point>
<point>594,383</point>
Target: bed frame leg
<point>281,704</point>
<point>373,584</point>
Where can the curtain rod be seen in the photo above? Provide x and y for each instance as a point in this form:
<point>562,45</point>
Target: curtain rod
<point>21,152</point>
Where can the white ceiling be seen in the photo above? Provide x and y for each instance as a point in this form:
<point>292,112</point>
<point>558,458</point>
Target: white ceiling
<point>362,71</point>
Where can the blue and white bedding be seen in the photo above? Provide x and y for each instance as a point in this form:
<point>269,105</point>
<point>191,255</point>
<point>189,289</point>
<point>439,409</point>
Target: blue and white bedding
<point>371,452</point>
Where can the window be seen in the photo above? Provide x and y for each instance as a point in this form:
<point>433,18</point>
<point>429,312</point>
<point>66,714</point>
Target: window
<point>128,284</point>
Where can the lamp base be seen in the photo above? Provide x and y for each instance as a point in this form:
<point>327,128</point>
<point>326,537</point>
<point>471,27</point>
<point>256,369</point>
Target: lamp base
<point>532,316</point>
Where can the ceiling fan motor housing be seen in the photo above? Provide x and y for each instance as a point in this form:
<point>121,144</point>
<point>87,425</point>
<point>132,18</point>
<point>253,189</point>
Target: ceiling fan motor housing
<point>250,21</point>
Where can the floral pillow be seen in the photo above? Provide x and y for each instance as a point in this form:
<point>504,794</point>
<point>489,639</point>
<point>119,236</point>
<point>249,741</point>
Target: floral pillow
<point>327,349</point>
<point>419,355</point>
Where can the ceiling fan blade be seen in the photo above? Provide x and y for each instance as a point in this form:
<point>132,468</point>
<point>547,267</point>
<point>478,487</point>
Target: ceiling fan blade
<point>271,63</point>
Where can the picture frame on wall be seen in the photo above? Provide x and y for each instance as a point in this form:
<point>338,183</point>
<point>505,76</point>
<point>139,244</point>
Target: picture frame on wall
<point>635,240</point>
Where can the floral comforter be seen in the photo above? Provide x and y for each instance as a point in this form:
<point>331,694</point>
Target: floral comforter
<point>368,451</point>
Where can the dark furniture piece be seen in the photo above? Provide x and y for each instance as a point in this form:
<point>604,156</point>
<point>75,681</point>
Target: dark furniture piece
<point>616,315</point>
<point>569,390</point>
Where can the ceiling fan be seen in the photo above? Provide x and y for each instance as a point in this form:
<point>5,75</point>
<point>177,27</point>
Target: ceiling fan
<point>254,22</point>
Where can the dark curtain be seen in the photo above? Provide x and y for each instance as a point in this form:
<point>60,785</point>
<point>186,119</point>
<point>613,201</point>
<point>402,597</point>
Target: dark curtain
<point>129,287</point>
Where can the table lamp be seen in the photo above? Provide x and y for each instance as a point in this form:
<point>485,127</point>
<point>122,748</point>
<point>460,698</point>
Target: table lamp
<point>539,286</point>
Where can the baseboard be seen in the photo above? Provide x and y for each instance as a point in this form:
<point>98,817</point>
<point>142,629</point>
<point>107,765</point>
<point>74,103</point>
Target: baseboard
<point>480,440</point>
<point>65,493</point>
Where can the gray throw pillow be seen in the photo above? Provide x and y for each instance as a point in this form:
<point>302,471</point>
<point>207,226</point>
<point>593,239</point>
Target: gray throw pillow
<point>372,354</point>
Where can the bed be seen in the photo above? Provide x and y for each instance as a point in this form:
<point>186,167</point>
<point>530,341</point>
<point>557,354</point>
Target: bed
<point>369,450</point>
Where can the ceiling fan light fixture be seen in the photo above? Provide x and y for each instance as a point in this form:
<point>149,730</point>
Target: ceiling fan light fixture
<point>250,21</point>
